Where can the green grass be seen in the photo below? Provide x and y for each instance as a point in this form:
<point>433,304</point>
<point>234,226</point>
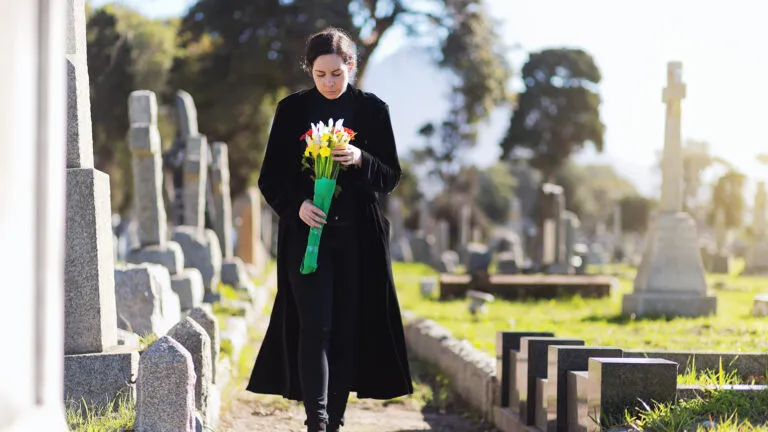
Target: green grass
<point>726,411</point>
<point>599,321</point>
<point>117,416</point>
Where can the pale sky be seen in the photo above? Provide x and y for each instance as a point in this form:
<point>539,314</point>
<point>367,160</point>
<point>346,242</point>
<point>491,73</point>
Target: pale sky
<point>722,46</point>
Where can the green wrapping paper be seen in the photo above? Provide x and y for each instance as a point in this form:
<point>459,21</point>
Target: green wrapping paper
<point>324,189</point>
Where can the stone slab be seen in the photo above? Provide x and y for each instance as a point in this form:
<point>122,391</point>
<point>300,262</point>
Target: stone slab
<point>744,364</point>
<point>617,385</point>
<point>760,305</point>
<point>201,251</point>
<point>525,286</point>
<point>564,359</point>
<point>145,299</point>
<point>101,377</point>
<point>234,272</point>
<point>89,286</point>
<point>506,341</point>
<point>188,285</point>
<point>578,417</point>
<point>670,304</point>
<point>127,339</point>
<point>692,392</point>
<point>169,256</point>
<point>531,364</point>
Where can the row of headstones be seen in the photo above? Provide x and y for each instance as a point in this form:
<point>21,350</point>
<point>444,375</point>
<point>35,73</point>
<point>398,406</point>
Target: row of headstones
<point>176,375</point>
<point>190,245</point>
<point>553,248</point>
<point>559,384</point>
<point>432,247</point>
<point>96,368</point>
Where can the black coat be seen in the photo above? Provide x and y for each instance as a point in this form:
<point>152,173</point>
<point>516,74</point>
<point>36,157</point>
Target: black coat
<point>382,371</point>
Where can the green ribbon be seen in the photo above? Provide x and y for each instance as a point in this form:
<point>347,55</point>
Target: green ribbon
<point>324,189</point>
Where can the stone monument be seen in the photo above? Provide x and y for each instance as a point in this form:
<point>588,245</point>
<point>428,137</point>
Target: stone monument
<point>670,280</point>
<point>144,142</point>
<point>90,324</point>
<point>200,245</point>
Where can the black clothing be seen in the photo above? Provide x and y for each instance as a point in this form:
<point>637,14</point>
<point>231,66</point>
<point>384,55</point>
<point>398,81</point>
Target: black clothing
<point>342,211</point>
<point>382,366</point>
<point>327,302</point>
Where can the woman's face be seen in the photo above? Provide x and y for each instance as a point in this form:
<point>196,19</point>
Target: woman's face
<point>331,75</point>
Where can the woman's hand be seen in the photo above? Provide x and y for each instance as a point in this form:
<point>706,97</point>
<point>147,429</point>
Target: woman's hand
<point>311,215</point>
<point>348,155</point>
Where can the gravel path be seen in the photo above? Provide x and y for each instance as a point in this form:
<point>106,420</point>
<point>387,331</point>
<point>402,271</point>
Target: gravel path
<point>432,407</point>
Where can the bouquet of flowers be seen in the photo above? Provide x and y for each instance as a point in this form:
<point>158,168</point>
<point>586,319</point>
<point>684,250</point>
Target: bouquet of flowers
<point>321,139</point>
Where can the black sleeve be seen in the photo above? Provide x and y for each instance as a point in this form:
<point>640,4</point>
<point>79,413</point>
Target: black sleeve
<point>380,169</point>
<point>278,176</point>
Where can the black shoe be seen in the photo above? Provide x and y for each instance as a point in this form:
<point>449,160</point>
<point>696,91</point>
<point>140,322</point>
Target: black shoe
<point>321,426</point>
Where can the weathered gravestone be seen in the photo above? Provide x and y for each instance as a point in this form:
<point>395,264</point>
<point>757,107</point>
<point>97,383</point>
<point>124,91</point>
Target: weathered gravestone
<point>165,399</point>
<point>145,298</point>
<point>195,339</point>
<point>250,247</point>
<point>670,280</point>
<point>33,150</point>
<point>208,321</point>
<point>233,270</point>
<point>144,142</point>
<point>200,245</point>
<point>96,370</point>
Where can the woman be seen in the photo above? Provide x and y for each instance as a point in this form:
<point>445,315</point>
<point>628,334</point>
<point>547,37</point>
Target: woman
<point>338,329</point>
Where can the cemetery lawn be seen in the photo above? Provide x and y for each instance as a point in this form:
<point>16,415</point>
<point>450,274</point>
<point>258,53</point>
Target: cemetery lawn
<point>599,321</point>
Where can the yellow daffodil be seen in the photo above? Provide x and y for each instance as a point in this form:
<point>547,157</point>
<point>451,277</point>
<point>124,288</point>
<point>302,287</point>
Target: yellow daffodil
<point>325,151</point>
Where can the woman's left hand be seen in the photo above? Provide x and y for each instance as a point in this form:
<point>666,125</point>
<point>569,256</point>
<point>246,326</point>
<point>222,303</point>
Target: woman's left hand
<point>348,155</point>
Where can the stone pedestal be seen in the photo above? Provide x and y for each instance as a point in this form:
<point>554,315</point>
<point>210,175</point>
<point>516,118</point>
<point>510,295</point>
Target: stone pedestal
<point>670,280</point>
<point>98,378</point>
<point>201,251</point>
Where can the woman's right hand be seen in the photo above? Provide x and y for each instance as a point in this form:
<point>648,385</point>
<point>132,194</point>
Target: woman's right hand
<point>311,215</point>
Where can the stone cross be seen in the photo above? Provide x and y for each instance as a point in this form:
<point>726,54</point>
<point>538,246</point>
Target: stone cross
<point>758,223</point>
<point>222,199</point>
<point>144,142</point>
<point>90,315</point>
<point>672,163</point>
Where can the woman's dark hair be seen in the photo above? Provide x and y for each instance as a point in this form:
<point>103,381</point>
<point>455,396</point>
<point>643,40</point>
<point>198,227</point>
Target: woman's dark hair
<point>329,41</point>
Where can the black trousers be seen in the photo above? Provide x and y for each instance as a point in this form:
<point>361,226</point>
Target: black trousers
<point>327,302</point>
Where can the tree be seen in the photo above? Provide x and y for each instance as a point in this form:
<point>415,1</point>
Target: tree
<point>728,198</point>
<point>409,193</point>
<point>558,112</point>
<point>591,191</point>
<point>238,57</point>
<point>111,74</point>
<point>496,189</point>
<point>635,213</point>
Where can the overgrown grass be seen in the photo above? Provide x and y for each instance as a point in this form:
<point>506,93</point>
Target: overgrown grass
<point>599,321</point>
<point>117,416</point>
